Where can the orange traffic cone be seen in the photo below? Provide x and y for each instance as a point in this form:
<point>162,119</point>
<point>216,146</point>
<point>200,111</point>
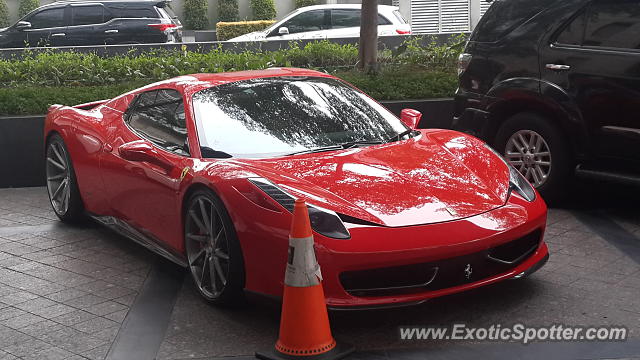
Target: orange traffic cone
<point>304,324</point>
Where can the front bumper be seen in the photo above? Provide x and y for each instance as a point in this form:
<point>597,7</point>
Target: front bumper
<point>456,247</point>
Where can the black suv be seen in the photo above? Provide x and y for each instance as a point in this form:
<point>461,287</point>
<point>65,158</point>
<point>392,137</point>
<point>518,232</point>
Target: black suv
<point>77,23</point>
<point>554,86</point>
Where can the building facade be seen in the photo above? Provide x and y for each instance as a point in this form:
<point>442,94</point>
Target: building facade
<point>442,16</point>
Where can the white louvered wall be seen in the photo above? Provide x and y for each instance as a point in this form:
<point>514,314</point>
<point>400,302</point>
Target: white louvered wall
<point>425,16</point>
<point>454,16</point>
<point>444,16</point>
<point>484,6</point>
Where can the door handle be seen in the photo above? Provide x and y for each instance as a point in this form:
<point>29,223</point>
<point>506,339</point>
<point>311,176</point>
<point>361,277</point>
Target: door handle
<point>58,35</point>
<point>113,31</point>
<point>558,67</point>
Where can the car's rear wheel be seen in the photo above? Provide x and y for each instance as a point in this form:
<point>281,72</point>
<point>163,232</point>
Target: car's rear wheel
<point>536,148</point>
<point>62,185</point>
<point>212,248</point>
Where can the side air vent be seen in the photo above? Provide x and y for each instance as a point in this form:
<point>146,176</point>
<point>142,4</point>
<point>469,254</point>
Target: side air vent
<point>275,193</point>
<point>353,220</point>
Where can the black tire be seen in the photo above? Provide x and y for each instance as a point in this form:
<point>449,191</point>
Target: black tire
<point>561,170</point>
<point>232,292</point>
<point>73,212</point>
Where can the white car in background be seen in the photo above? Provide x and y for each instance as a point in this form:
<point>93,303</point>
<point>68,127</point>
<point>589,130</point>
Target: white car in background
<point>329,21</point>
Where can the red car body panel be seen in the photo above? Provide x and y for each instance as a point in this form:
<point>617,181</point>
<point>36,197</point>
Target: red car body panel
<point>436,196</point>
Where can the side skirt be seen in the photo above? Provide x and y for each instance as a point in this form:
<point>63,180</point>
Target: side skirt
<point>124,229</point>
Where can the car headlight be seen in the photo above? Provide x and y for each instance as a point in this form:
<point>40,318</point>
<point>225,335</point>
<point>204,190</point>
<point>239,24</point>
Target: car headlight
<point>517,182</point>
<point>323,221</point>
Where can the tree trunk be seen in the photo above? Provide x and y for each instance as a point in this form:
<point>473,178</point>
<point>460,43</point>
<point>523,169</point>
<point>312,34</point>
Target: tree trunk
<point>368,49</point>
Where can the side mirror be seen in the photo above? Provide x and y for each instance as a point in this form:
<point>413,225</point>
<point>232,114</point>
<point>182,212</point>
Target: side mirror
<point>23,25</point>
<point>410,117</point>
<point>143,151</point>
<point>283,30</point>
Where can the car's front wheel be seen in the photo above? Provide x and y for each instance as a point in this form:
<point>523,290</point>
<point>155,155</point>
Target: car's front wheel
<point>536,148</point>
<point>212,248</point>
<point>62,185</point>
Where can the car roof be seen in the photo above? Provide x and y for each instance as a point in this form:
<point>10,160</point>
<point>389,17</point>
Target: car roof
<point>192,83</point>
<point>146,2</point>
<point>345,6</point>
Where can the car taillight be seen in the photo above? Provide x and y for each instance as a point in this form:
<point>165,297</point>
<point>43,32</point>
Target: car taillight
<point>463,62</point>
<point>403,32</point>
<point>163,26</point>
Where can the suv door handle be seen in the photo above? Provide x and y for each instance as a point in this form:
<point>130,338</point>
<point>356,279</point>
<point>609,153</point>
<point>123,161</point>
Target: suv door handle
<point>113,31</point>
<point>558,67</point>
<point>58,35</point>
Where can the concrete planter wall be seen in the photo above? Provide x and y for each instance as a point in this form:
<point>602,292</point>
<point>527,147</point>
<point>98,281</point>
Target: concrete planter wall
<point>22,149</point>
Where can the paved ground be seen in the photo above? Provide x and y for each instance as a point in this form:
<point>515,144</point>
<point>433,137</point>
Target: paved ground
<point>67,292</point>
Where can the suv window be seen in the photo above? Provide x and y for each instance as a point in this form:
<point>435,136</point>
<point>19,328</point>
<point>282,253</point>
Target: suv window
<point>504,16</point>
<point>133,11</point>
<point>158,115</point>
<point>343,18</point>
<point>613,24</point>
<point>85,15</point>
<point>307,21</point>
<point>48,18</point>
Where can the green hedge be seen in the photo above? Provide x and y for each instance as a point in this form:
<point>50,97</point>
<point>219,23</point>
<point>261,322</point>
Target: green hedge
<point>25,6</point>
<point>229,30</point>
<point>396,83</point>
<point>263,9</point>
<point>29,85</point>
<point>4,14</point>
<point>195,14</point>
<point>36,100</point>
<point>303,3</point>
<point>227,10</point>
<point>69,68</point>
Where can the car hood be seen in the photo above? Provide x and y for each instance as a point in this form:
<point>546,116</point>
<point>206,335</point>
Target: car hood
<point>256,35</point>
<point>3,29</point>
<point>411,182</point>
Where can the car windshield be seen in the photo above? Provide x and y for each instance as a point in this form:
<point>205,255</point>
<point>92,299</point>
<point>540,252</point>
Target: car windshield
<point>271,117</point>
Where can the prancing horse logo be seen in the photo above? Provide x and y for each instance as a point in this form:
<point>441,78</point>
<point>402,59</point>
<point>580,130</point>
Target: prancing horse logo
<point>468,270</point>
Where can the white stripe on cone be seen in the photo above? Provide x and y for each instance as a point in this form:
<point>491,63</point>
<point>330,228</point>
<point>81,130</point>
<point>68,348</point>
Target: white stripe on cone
<point>302,267</point>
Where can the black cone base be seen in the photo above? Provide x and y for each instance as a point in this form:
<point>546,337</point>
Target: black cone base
<point>338,352</point>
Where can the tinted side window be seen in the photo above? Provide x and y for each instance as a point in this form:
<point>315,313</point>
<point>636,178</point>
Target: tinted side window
<point>161,122</point>
<point>505,16</point>
<point>47,19</point>
<point>614,24</point>
<point>133,11</point>
<point>85,15</point>
<point>574,31</point>
<point>343,18</point>
<point>307,21</point>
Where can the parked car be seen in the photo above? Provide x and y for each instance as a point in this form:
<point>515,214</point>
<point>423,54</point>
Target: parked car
<point>204,169</point>
<point>78,22</point>
<point>329,21</point>
<point>555,87</point>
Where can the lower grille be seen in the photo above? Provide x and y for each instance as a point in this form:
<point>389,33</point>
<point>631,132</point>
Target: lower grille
<point>441,274</point>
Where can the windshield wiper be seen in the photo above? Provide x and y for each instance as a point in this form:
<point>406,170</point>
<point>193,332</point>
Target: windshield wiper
<point>351,144</point>
<point>400,136</point>
<point>317,150</point>
<point>347,145</point>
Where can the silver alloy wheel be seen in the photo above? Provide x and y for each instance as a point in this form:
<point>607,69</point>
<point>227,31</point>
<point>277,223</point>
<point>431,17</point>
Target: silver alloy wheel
<point>207,247</point>
<point>58,177</point>
<point>529,153</point>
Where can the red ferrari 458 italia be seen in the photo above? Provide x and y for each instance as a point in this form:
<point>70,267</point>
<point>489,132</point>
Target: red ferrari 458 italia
<point>204,169</point>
